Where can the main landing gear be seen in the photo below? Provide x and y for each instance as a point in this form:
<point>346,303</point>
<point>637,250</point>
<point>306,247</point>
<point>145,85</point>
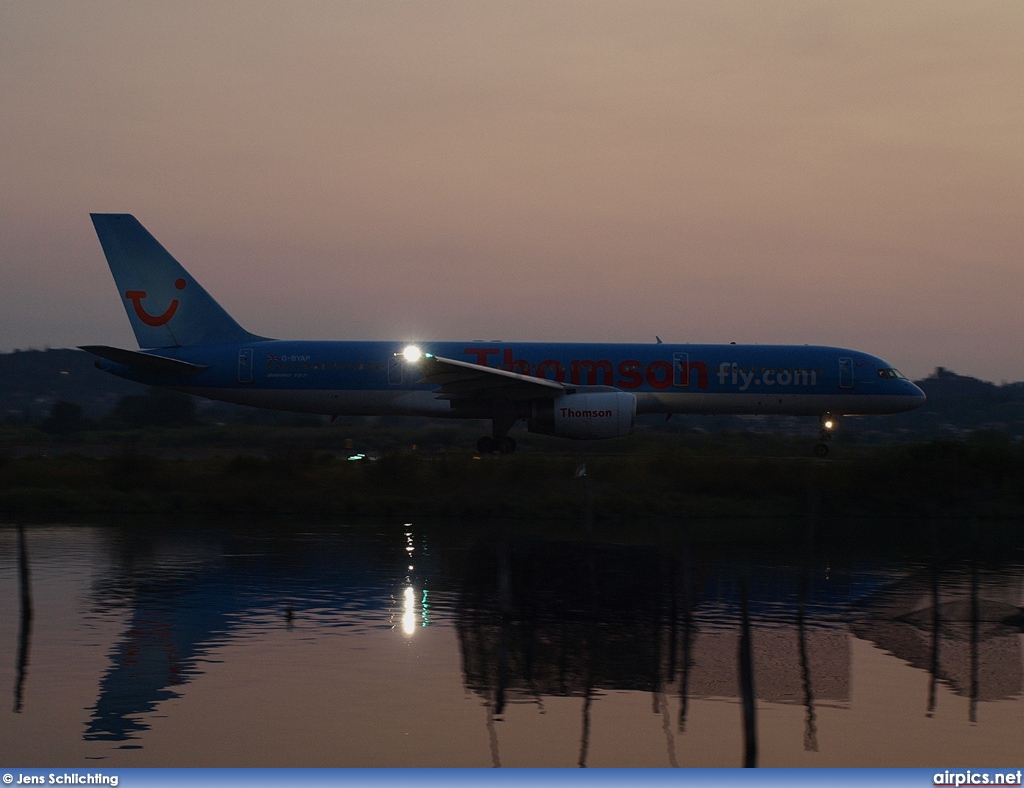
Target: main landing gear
<point>827,424</point>
<point>489,445</point>
<point>503,416</point>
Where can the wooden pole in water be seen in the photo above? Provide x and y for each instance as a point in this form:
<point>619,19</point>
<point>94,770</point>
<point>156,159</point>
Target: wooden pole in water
<point>25,628</point>
<point>747,682</point>
<point>933,680</point>
<point>975,615</point>
<point>688,603</point>
<point>810,722</point>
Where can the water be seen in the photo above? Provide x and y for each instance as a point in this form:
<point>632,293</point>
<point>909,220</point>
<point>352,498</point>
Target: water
<point>442,645</point>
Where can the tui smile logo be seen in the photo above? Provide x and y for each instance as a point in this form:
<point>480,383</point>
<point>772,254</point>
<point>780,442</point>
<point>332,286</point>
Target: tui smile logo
<point>136,296</point>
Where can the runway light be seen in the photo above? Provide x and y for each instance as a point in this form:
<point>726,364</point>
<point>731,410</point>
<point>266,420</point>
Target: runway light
<point>412,354</point>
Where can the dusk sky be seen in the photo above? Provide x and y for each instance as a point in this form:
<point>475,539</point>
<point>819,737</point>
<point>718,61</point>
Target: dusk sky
<point>789,172</point>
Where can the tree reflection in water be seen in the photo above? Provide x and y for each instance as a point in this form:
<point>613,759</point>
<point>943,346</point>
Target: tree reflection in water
<point>554,617</point>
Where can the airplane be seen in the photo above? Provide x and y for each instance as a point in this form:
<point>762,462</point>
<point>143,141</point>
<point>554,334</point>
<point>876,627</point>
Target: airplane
<point>189,343</point>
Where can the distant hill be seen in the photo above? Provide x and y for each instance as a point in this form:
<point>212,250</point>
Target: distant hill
<point>32,381</point>
<point>958,405</point>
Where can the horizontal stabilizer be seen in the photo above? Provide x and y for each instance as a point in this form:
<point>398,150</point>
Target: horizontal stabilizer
<point>144,361</point>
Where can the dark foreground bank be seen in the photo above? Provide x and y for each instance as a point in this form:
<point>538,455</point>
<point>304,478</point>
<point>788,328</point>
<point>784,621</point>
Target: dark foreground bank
<point>978,478</point>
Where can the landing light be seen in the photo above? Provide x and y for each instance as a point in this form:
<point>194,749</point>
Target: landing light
<point>412,354</point>
<point>829,424</point>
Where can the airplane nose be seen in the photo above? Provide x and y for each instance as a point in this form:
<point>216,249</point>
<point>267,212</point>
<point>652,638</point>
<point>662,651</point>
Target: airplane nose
<point>919,397</point>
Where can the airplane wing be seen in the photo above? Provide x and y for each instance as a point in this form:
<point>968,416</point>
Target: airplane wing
<point>464,380</point>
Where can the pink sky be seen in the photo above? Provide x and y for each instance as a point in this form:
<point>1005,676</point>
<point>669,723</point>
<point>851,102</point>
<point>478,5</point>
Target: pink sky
<point>804,172</point>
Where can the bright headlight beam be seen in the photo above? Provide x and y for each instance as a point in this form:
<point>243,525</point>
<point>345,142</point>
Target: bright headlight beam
<point>412,354</point>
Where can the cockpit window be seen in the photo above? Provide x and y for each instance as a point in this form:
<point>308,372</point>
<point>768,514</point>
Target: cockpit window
<point>891,374</point>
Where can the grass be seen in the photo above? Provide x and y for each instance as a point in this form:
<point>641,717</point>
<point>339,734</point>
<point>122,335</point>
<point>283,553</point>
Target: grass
<point>289,472</point>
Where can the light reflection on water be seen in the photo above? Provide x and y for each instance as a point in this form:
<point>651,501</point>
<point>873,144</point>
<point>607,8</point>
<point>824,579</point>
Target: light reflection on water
<point>415,645</point>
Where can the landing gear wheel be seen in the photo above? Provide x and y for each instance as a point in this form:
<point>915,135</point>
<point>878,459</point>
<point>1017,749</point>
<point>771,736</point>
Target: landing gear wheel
<point>506,445</point>
<point>821,450</point>
<point>486,445</point>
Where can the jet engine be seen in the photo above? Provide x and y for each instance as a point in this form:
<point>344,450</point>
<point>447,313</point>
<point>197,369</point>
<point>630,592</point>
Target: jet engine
<point>605,414</point>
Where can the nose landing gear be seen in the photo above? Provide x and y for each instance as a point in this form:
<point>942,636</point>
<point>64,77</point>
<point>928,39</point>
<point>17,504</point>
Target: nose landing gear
<point>827,424</point>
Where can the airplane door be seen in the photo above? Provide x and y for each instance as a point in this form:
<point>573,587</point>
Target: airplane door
<point>846,373</point>
<point>681,369</point>
<point>395,370</point>
<point>245,365</point>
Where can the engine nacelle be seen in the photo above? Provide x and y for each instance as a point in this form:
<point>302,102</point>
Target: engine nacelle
<point>605,414</point>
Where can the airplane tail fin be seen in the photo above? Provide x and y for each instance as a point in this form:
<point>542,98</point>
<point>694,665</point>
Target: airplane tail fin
<point>165,305</point>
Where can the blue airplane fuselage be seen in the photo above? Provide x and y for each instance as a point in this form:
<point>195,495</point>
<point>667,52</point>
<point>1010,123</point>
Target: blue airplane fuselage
<point>373,378</point>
